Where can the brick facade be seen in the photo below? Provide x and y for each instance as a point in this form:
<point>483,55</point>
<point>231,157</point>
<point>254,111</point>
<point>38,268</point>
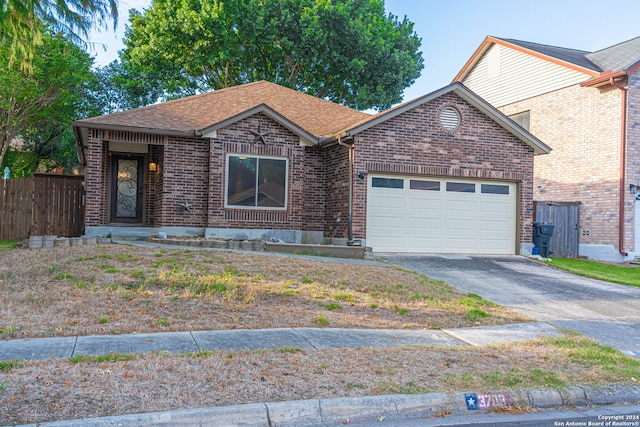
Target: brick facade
<point>193,170</point>
<point>583,127</point>
<point>415,143</point>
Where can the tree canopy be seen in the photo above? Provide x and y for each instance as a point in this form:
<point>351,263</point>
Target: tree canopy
<point>21,23</point>
<point>347,51</point>
<point>39,106</point>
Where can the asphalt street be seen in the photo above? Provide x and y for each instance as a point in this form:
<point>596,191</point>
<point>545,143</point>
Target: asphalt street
<point>607,312</point>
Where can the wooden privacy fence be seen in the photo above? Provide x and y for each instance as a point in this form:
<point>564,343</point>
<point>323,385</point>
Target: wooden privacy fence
<point>41,205</point>
<point>565,216</point>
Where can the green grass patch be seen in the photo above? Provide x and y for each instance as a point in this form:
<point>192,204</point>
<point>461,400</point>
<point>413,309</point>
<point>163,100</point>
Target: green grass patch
<point>7,365</point>
<point>623,274</point>
<point>343,297</point>
<point>103,358</point>
<point>6,245</point>
<point>63,276</point>
<point>334,306</point>
<point>322,321</point>
<point>475,314</point>
<point>289,350</point>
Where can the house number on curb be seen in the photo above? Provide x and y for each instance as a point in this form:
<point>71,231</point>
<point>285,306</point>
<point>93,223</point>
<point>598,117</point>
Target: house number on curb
<point>482,401</point>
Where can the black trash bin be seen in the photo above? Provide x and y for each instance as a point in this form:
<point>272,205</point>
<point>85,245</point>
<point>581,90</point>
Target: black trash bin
<point>542,233</point>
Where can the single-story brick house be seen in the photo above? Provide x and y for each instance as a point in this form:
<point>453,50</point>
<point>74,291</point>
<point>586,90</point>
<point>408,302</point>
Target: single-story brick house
<point>444,173</point>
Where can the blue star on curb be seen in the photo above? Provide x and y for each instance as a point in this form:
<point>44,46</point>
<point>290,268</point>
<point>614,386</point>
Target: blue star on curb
<point>472,401</point>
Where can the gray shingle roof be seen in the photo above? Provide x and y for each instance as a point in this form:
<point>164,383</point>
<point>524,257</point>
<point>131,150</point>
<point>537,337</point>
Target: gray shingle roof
<point>572,56</point>
<point>618,57</point>
<point>614,58</point>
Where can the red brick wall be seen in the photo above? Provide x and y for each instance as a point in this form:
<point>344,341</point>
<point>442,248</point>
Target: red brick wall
<point>336,158</point>
<point>415,143</point>
<point>185,180</point>
<point>96,179</point>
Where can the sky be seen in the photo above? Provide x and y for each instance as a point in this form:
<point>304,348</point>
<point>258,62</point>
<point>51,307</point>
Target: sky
<point>451,30</point>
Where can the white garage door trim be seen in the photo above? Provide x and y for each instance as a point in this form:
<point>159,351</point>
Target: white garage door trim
<point>421,214</point>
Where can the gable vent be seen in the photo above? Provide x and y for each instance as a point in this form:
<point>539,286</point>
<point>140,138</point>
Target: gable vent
<point>450,118</point>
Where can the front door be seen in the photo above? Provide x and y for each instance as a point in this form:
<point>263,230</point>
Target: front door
<point>126,185</point>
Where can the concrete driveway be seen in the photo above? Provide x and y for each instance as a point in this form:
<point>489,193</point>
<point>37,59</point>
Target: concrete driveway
<point>607,312</point>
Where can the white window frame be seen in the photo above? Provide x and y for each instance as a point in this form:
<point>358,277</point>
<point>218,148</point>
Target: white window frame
<point>262,208</point>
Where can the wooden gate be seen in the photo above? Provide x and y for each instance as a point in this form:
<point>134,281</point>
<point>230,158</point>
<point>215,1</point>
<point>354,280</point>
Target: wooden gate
<point>41,205</point>
<point>565,216</point>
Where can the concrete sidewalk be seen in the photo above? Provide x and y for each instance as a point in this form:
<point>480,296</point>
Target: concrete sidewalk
<point>267,339</point>
<point>425,409</point>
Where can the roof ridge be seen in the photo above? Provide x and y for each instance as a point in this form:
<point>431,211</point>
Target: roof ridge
<point>543,45</point>
<point>614,45</point>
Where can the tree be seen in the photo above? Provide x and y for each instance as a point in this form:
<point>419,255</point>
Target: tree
<point>116,89</point>
<point>44,101</point>
<point>20,23</point>
<point>345,51</point>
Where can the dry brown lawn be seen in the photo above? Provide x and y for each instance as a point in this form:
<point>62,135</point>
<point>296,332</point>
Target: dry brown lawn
<point>111,289</point>
<point>125,289</point>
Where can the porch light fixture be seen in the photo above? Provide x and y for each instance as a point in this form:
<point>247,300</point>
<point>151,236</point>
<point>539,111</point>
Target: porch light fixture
<point>153,167</point>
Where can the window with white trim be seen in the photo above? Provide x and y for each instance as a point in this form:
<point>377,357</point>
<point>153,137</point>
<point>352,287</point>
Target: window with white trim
<point>256,182</point>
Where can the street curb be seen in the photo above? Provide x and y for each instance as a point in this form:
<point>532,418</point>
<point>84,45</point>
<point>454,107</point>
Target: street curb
<point>332,411</point>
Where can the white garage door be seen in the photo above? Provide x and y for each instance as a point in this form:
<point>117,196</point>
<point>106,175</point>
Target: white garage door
<point>434,215</point>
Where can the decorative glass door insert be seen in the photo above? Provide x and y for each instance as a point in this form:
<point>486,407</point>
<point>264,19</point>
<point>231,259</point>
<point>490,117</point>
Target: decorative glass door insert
<point>126,189</point>
<point>127,197</point>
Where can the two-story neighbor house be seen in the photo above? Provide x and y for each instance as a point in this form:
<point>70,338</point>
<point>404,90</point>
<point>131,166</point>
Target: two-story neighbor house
<point>586,107</point>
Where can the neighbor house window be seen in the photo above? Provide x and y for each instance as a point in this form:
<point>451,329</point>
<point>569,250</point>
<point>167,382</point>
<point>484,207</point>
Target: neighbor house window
<point>256,182</point>
<point>522,119</point>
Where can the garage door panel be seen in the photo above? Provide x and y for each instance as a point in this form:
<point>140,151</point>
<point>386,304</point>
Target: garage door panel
<point>413,219</point>
<point>416,244</point>
<point>425,223</point>
<point>428,204</point>
<point>387,201</point>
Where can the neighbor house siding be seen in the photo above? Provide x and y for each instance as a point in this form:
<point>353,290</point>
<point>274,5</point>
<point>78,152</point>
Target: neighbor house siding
<point>633,157</point>
<point>518,76</point>
<point>582,127</point>
<point>415,143</point>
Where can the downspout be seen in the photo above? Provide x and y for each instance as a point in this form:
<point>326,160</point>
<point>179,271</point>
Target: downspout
<point>623,154</point>
<point>350,208</point>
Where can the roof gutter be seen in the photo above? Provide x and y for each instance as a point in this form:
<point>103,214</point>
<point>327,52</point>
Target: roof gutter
<point>605,78</point>
<point>351,149</point>
<point>623,153</point>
